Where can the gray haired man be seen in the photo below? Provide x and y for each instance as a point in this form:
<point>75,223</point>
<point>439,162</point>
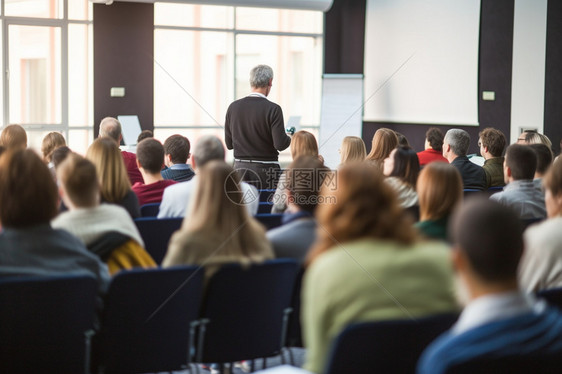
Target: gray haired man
<point>455,148</point>
<point>255,130</point>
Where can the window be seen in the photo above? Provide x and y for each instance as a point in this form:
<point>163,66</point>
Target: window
<point>203,56</point>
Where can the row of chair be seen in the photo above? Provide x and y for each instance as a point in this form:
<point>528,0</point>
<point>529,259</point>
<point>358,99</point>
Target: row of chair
<point>152,320</point>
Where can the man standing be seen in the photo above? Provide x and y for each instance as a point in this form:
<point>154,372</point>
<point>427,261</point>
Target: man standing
<point>492,143</point>
<point>455,147</point>
<point>255,130</point>
<point>111,128</point>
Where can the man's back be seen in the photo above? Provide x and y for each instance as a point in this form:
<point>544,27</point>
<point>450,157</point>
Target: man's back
<point>523,197</point>
<point>493,168</point>
<point>473,176</point>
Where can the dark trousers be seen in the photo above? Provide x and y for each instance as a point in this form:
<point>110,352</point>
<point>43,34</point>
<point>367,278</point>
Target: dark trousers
<point>263,176</point>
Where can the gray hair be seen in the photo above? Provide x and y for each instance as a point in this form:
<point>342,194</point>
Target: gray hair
<point>111,128</point>
<point>260,76</point>
<point>459,140</point>
<point>208,148</point>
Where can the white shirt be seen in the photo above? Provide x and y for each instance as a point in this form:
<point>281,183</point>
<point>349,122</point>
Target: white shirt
<point>176,198</point>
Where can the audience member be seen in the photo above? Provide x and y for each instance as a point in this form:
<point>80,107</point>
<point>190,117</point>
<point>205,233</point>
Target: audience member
<point>13,137</point>
<point>218,229</point>
<point>110,127</point>
<point>112,175</point>
<point>304,178</point>
<point>439,192</point>
<point>303,143</point>
<point>352,149</point>
<point>143,135</point>
<point>366,233</point>
<point>150,159</point>
<point>384,141</point>
<point>28,243</point>
<point>541,265</point>
<point>492,144</point>
<point>107,230</point>
<point>433,147</point>
<point>544,160</point>
<point>176,198</point>
<point>520,193</point>
<point>51,141</point>
<point>402,140</point>
<point>499,319</point>
<point>455,148</point>
<point>59,155</point>
<point>534,137</point>
<point>176,154</point>
<point>401,168</point>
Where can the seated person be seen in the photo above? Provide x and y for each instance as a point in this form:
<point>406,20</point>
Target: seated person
<point>150,159</point>
<point>455,148</point>
<point>401,169</point>
<point>218,229</point>
<point>107,228</point>
<point>51,141</point>
<point>28,244</point>
<point>499,320</point>
<point>433,147</point>
<point>352,149</point>
<point>176,154</point>
<point>541,265</point>
<point>544,160</point>
<point>364,235</point>
<point>520,193</point>
<point>302,182</point>
<point>13,137</point>
<point>177,197</point>
<point>492,144</point>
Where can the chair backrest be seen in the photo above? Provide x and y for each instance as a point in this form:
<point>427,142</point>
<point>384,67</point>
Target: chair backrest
<point>245,309</point>
<point>156,234</point>
<point>150,210</point>
<point>146,320</point>
<point>389,346</point>
<point>270,221</point>
<point>526,222</point>
<point>520,364</point>
<point>468,192</point>
<point>294,330</point>
<point>44,323</point>
<point>266,195</point>
<point>553,296</point>
<point>264,208</point>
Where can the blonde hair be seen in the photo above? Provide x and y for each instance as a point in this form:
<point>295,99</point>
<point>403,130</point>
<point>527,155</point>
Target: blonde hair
<point>440,190</point>
<point>303,143</point>
<point>384,141</point>
<point>217,211</point>
<point>51,141</point>
<point>110,167</point>
<point>365,207</point>
<point>13,137</point>
<point>352,149</point>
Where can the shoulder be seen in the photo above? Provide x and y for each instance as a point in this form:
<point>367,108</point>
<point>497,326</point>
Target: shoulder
<point>545,232</point>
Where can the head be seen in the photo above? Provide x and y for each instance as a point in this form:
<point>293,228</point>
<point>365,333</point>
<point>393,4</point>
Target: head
<point>261,77</point>
<point>455,144</point>
<point>150,156</point>
<point>352,149</point>
<point>28,193</point>
<point>59,155</point>
<point>110,167</point>
<point>402,140</point>
<point>434,139</point>
<point>492,143</point>
<point>440,190</point>
<point>111,128</point>
<point>487,242</point>
<point>403,163</point>
<point>305,177</point>
<point>51,141</point>
<point>520,163</point>
<point>208,148</point>
<point>143,135</point>
<point>362,206</point>
<point>79,186</point>
<point>13,137</point>
<point>384,141</point>
<point>544,158</point>
<point>533,137</point>
<point>303,143</point>
<point>552,183</point>
<point>176,150</point>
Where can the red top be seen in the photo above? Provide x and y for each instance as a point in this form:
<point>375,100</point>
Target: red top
<point>151,193</point>
<point>132,168</point>
<point>430,155</point>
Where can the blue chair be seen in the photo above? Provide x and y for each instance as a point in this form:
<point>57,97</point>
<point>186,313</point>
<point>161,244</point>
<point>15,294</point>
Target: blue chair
<point>264,208</point>
<point>385,346</point>
<point>156,234</point>
<point>467,192</point>
<point>245,312</point>
<point>266,195</point>
<point>270,221</point>
<point>150,210</point>
<point>46,324</point>
<point>520,364</point>
<point>552,296</point>
<point>149,320</point>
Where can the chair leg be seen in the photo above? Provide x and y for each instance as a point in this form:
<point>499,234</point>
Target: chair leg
<point>264,363</point>
<point>291,358</point>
